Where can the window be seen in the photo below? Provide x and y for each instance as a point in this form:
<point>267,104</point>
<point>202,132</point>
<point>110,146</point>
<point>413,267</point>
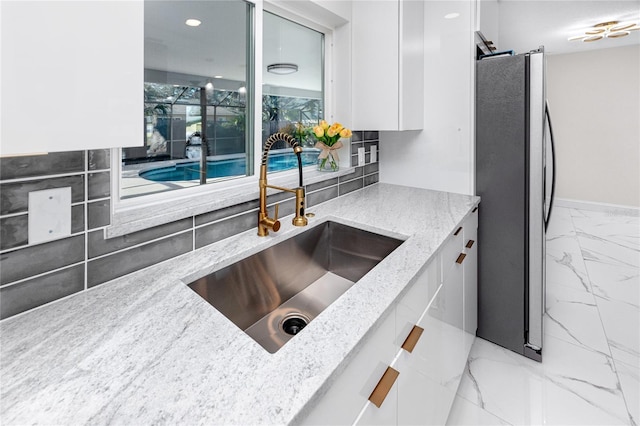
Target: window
<point>197,78</point>
<point>292,84</point>
<point>209,107</point>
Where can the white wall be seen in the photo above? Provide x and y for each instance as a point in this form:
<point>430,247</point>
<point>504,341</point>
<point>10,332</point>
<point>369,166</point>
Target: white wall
<point>440,156</point>
<point>594,98</point>
<point>488,20</point>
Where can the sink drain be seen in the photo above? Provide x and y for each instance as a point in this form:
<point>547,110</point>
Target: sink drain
<point>294,323</point>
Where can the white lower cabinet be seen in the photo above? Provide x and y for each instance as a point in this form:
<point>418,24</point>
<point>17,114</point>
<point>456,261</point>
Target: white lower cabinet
<point>423,397</point>
<point>347,395</point>
<point>470,280</point>
<point>412,364</point>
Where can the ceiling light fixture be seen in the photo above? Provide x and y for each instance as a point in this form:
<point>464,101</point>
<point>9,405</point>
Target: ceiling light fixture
<point>192,22</point>
<point>282,68</point>
<point>451,15</point>
<point>610,29</point>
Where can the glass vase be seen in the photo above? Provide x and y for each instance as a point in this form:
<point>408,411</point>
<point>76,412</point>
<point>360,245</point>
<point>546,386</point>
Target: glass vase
<point>328,164</point>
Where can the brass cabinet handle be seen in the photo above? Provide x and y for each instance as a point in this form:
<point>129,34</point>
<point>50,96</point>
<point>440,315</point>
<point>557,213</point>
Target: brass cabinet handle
<point>412,339</point>
<point>384,386</point>
<point>460,258</point>
<point>457,231</point>
<point>470,244</point>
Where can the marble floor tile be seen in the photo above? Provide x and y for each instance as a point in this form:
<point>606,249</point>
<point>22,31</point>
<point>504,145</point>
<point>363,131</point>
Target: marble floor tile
<point>630,382</point>
<point>566,268</point>
<point>572,386</point>
<point>614,282</point>
<point>560,223</point>
<point>466,413</point>
<point>572,315</point>
<point>621,321</point>
<point>609,239</point>
<point>622,230</point>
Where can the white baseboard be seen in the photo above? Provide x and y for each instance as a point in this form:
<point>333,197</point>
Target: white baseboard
<point>613,209</point>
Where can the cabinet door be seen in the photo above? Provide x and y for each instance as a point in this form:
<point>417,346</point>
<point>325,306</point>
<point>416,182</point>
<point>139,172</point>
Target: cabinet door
<point>388,64</point>
<point>72,75</point>
<point>387,412</point>
<point>425,392</point>
<point>422,400</point>
<point>415,301</point>
<point>375,58</point>
<point>470,280</point>
<point>411,84</point>
<point>349,393</point>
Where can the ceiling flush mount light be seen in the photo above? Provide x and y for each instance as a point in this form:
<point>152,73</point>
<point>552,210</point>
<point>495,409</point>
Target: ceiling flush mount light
<point>610,29</point>
<point>192,22</point>
<point>283,68</point>
<point>451,15</point>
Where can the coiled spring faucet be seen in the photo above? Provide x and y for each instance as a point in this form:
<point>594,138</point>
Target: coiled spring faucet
<point>264,221</point>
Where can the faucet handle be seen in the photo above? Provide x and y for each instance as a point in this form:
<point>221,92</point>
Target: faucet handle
<point>276,222</point>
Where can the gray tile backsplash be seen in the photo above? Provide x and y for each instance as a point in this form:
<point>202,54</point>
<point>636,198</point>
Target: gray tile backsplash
<point>14,196</point>
<point>37,259</point>
<point>99,185</point>
<point>43,289</point>
<point>98,214</point>
<point>99,159</point>
<point>33,275</point>
<point>56,163</point>
<point>124,262</point>
<point>99,246</point>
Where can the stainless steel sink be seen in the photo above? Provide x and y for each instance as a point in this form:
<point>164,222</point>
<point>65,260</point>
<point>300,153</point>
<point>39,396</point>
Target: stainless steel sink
<point>273,294</point>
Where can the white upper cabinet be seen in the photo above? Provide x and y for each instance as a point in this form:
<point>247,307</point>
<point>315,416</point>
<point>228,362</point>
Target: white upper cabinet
<point>388,65</point>
<point>72,75</point>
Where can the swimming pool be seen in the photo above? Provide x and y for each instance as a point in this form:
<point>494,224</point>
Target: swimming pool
<point>225,167</point>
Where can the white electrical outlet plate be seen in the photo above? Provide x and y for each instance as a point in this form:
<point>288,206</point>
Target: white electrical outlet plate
<point>49,214</point>
<point>374,153</point>
<point>360,156</point>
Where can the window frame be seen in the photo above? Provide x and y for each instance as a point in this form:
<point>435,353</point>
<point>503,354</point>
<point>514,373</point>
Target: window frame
<point>137,213</point>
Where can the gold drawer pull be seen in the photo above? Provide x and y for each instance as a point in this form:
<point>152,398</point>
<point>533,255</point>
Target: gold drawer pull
<point>383,387</point>
<point>412,338</point>
<point>460,258</point>
<point>457,231</point>
<point>470,244</point>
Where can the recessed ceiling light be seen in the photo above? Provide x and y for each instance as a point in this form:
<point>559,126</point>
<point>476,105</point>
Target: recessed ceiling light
<point>217,76</point>
<point>192,22</point>
<point>452,15</point>
<point>283,68</point>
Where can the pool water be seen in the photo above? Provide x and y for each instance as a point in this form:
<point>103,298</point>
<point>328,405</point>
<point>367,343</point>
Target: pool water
<point>225,168</point>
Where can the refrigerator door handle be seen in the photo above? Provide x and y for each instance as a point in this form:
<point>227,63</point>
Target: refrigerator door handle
<point>553,163</point>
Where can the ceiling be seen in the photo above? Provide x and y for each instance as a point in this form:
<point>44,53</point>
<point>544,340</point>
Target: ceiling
<point>217,47</point>
<point>525,25</point>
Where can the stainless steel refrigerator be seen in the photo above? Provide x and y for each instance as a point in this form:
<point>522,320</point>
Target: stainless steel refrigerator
<point>513,142</point>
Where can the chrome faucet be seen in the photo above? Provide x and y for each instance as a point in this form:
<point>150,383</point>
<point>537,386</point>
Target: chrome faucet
<point>264,221</point>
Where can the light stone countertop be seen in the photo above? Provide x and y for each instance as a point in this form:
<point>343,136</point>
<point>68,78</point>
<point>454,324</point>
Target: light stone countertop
<point>145,349</point>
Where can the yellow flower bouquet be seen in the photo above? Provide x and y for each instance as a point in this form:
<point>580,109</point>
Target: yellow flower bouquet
<point>328,140</point>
